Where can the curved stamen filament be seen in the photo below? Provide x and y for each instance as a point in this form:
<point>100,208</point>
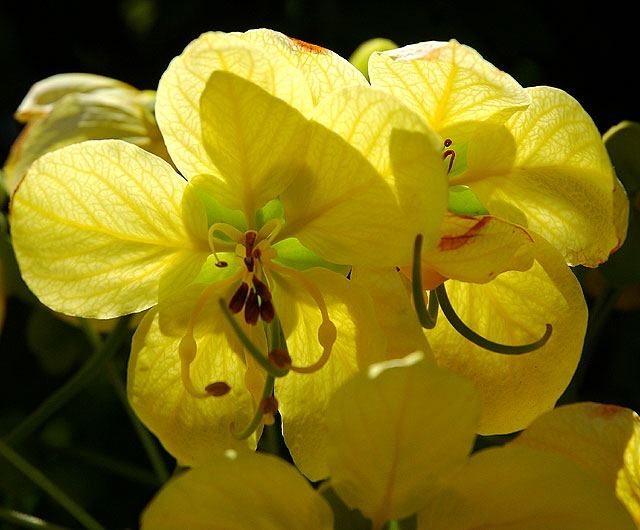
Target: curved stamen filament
<point>327,332</point>
<point>270,230</point>
<point>259,412</point>
<point>479,340</point>
<point>427,316</point>
<point>233,233</point>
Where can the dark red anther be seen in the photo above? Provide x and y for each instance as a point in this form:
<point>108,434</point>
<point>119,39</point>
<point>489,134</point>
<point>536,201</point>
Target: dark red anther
<point>248,262</point>
<point>269,405</point>
<point>449,152</point>
<point>267,311</point>
<point>448,142</point>
<point>280,358</point>
<point>218,389</point>
<point>252,308</point>
<point>250,240</point>
<point>221,264</point>
<point>239,297</point>
<point>261,289</point>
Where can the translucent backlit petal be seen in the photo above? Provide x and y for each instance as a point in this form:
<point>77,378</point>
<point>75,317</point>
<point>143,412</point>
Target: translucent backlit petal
<point>448,84</point>
<point>477,249</point>
<point>604,439</point>
<point>514,309</point>
<point>181,86</point>
<point>95,225</point>
<point>304,397</point>
<point>374,179</point>
<point>393,430</point>
<point>560,183</point>
<point>396,314</point>
<point>191,429</point>
<point>520,488</point>
<point>238,492</point>
<point>324,70</point>
<point>254,139</point>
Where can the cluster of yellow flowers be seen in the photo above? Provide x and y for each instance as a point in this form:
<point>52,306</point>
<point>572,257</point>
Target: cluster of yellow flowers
<point>291,228</point>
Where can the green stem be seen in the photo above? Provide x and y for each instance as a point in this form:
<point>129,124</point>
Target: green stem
<point>49,487</point>
<point>25,520</point>
<point>257,416</point>
<point>428,316</point>
<point>80,380</point>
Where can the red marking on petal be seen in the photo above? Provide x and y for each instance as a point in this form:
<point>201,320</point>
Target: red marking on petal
<point>455,242</point>
<point>313,48</point>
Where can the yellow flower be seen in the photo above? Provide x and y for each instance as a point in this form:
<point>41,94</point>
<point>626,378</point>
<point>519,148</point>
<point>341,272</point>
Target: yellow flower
<point>68,108</point>
<point>401,433</point>
<point>284,153</point>
<point>531,190</point>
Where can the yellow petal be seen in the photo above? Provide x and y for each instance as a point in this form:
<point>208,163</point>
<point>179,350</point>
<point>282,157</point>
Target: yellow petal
<point>192,429</point>
<point>96,224</point>
<point>324,70</point>
<point>561,183</point>
<point>254,139</point>
<point>395,313</point>
<point>448,84</point>
<point>477,249</point>
<point>43,95</point>
<point>374,179</point>
<point>520,488</point>
<point>514,309</point>
<point>181,86</point>
<point>238,492</point>
<point>393,430</point>
<point>604,439</point>
<point>303,397</point>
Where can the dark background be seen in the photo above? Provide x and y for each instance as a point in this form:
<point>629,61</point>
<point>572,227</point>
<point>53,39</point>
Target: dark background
<point>590,52</point>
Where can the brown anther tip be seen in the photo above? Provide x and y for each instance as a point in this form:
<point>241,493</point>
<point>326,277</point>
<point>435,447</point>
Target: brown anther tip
<point>269,405</point>
<point>221,264</point>
<point>261,289</point>
<point>280,358</point>
<point>252,308</point>
<point>239,298</point>
<point>218,389</point>
<point>267,311</point>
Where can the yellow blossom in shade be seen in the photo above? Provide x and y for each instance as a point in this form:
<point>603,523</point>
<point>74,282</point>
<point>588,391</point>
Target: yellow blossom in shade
<point>68,108</point>
<point>604,439</point>
<point>283,153</point>
<point>531,155</point>
<point>417,460</point>
<point>238,492</point>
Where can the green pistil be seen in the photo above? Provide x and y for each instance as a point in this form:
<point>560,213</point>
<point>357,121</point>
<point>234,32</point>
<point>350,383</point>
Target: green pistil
<point>267,393</point>
<point>479,340</point>
<point>427,316</point>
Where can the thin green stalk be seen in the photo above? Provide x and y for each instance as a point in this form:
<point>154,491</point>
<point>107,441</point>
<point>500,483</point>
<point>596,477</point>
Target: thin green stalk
<point>80,380</point>
<point>25,520</point>
<point>49,487</point>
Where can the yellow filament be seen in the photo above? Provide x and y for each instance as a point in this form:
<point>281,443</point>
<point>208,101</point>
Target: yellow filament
<point>233,233</point>
<point>327,332</point>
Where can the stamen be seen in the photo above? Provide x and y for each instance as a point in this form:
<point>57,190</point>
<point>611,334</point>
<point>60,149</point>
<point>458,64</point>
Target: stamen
<point>252,308</point>
<point>232,233</point>
<point>270,229</point>
<point>249,346</point>
<point>239,298</point>
<point>267,311</point>
<point>261,289</point>
<point>280,357</point>
<point>427,316</point>
<point>187,351</point>
<point>258,415</point>
<point>327,332</point>
<point>218,389</point>
<point>479,340</point>
<point>449,152</point>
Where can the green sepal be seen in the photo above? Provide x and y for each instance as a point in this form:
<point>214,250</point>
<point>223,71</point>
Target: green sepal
<point>272,210</point>
<point>462,201</point>
<point>217,213</point>
<point>212,272</point>
<point>293,254</point>
<point>623,144</point>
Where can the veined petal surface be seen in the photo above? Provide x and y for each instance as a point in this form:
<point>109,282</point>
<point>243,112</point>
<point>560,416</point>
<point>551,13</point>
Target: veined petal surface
<point>604,439</point>
<point>239,492</point>
<point>560,183</point>
<point>192,429</point>
<point>514,309</point>
<point>254,139</point>
<point>182,85</point>
<point>448,84</point>
<point>374,179</point>
<point>520,488</point>
<point>95,225</point>
<point>393,430</point>
<point>476,250</point>
<point>304,397</point>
